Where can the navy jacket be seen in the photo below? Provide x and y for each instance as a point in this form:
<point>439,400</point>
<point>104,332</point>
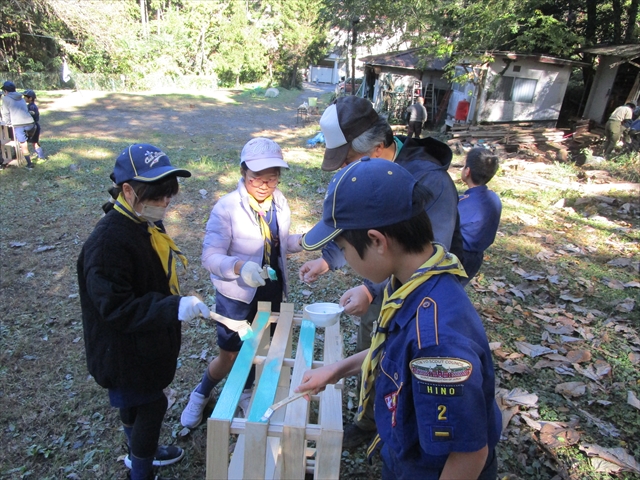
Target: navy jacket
<point>131,330</point>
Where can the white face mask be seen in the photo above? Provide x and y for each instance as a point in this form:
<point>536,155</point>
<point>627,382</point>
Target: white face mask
<point>151,213</point>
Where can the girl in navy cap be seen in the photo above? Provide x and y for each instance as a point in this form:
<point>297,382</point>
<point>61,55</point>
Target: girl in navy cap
<point>131,302</point>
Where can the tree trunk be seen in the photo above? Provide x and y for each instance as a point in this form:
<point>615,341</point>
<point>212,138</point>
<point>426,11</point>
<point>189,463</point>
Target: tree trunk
<point>143,17</point>
<point>590,28</point>
<point>617,27</point>
<point>631,23</point>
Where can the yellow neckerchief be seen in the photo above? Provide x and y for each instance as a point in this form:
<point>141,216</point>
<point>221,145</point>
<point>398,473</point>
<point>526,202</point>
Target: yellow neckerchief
<point>261,210</point>
<point>161,243</point>
<point>440,262</point>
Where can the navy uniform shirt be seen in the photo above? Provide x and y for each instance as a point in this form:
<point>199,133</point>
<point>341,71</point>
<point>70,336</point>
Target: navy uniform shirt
<point>435,387</point>
<point>480,210</point>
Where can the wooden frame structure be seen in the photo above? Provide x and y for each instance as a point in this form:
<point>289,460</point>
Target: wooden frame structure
<point>7,145</point>
<point>279,447</point>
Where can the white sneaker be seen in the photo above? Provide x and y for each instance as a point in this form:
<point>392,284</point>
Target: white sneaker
<point>192,414</point>
<point>243,403</point>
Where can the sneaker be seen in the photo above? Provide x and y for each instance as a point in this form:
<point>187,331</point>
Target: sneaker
<point>154,477</point>
<point>193,412</point>
<point>243,403</point>
<point>354,436</point>
<point>165,455</point>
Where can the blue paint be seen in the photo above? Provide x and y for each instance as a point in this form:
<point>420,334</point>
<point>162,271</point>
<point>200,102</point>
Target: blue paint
<point>228,400</point>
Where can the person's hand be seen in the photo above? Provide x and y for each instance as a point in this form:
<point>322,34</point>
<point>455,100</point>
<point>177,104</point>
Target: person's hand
<point>190,308</point>
<point>311,270</point>
<point>251,274</point>
<point>356,300</point>
<point>316,380</point>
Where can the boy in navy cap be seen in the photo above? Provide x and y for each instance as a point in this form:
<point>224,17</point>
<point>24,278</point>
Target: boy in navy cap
<point>34,135</point>
<point>430,359</point>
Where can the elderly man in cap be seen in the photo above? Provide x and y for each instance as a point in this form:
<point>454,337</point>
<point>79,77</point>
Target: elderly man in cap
<point>16,113</point>
<point>353,130</point>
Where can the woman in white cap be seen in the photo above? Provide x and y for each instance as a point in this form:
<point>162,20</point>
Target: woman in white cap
<point>245,250</point>
<point>131,303</point>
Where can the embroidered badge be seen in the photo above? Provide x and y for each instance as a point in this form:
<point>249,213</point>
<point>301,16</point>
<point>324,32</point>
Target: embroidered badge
<point>441,434</point>
<point>441,369</point>
<point>391,400</point>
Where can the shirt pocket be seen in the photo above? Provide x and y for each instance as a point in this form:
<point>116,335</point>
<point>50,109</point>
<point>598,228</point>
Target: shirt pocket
<point>391,408</point>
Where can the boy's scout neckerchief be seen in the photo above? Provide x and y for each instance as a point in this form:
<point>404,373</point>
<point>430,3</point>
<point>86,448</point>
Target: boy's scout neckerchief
<point>261,210</point>
<point>440,262</point>
<point>161,243</point>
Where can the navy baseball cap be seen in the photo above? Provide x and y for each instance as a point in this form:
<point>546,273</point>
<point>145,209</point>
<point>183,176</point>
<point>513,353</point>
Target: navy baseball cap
<point>9,86</point>
<point>144,163</point>
<point>369,193</point>
<point>29,93</point>
<point>342,122</point>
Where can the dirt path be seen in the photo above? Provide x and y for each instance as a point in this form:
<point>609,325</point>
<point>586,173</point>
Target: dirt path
<point>132,117</point>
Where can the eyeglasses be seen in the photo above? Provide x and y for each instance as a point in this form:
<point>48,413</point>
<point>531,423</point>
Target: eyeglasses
<point>259,182</point>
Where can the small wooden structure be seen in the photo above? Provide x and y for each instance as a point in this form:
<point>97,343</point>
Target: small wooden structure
<point>281,447</point>
<point>10,149</point>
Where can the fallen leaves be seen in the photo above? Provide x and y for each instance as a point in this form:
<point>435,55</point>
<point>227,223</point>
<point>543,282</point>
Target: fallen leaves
<point>558,434</point>
<point>618,457</point>
<point>571,389</point>
<point>633,400</point>
<point>533,350</point>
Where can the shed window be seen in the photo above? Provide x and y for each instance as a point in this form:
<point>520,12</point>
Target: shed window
<point>513,89</point>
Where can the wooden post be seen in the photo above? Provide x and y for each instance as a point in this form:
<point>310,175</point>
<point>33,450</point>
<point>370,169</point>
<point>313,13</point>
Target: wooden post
<point>330,414</point>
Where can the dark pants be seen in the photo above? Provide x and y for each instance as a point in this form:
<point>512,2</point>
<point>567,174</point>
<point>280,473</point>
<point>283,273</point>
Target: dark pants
<point>415,128</point>
<point>146,421</point>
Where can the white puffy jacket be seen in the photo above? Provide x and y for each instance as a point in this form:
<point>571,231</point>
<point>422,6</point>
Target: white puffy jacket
<point>233,234</point>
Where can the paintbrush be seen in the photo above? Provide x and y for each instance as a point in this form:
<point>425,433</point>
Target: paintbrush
<point>242,327</point>
<point>281,403</point>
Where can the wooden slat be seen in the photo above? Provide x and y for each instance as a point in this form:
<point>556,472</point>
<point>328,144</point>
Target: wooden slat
<point>293,441</point>
<point>218,424</point>
<point>228,400</point>
<point>329,447</point>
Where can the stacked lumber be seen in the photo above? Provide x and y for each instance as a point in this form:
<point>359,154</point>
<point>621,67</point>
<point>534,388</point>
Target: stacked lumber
<point>507,134</point>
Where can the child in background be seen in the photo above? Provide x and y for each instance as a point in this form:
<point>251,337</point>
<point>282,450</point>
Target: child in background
<point>479,209</point>
<point>248,231</point>
<point>34,135</point>
<point>429,358</point>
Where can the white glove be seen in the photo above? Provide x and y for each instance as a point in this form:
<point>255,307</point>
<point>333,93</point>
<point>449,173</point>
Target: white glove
<point>190,308</point>
<point>251,274</point>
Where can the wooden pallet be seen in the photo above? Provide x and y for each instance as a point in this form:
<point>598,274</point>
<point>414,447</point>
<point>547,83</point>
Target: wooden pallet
<point>280,447</point>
